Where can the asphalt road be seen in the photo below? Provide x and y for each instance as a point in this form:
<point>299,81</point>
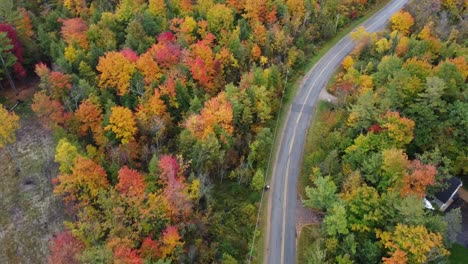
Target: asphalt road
<point>281,235</point>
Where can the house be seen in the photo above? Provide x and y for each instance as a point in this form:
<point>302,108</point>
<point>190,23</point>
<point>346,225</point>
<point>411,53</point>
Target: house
<point>446,196</point>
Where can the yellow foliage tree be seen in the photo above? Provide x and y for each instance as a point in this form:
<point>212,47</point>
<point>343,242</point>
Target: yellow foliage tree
<point>65,155</point>
<point>382,45</point>
<point>359,34</point>
<point>402,22</point>
<point>157,8</point>
<point>71,53</point>
<point>399,129</point>
<point>347,62</point>
<point>76,7</point>
<point>122,123</point>
<point>10,123</point>
<point>297,9</point>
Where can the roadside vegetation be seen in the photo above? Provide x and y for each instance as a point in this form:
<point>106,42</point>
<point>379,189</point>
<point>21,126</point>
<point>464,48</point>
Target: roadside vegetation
<point>458,254</point>
<point>162,114</point>
<point>396,132</point>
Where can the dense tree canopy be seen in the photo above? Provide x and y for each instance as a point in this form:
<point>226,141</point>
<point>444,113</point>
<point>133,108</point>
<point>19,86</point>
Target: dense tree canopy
<point>164,115</point>
<point>390,141</point>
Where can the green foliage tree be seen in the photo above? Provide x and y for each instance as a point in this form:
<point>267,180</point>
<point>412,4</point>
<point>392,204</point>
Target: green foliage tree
<point>258,180</point>
<point>136,38</point>
<point>323,195</point>
<point>336,223</point>
<point>7,59</point>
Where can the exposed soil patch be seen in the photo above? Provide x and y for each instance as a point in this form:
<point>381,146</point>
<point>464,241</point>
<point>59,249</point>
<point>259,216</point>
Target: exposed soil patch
<point>25,89</point>
<point>305,216</point>
<point>29,214</point>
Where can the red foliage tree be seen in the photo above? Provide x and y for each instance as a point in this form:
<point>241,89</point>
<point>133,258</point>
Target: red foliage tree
<point>375,128</point>
<point>150,249</point>
<point>129,54</point>
<point>174,190</point>
<point>125,255</point>
<point>169,168</point>
<point>166,37</point>
<point>204,66</point>
<point>131,183</point>
<point>65,249</point>
<point>17,50</point>
<point>166,52</point>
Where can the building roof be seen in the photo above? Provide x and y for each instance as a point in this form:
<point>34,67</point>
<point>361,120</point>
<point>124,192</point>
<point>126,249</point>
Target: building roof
<point>452,185</point>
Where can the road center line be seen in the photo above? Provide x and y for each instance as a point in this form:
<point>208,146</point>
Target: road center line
<point>285,181</point>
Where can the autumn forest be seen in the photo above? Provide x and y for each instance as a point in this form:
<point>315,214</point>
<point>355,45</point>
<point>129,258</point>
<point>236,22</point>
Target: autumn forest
<point>163,116</point>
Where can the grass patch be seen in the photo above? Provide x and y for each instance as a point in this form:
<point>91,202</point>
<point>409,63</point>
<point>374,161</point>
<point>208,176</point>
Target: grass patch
<point>310,157</point>
<point>309,235</point>
<point>458,254</point>
<point>290,92</point>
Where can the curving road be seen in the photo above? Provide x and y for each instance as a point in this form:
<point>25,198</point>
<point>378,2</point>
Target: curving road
<point>281,234</point>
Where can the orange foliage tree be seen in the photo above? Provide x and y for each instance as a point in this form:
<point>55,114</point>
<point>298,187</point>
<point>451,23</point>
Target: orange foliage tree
<point>87,178</point>
<point>56,83</point>
<point>24,25</point>
<point>74,30</point>
<point>419,244</point>
<point>116,72</point>
<point>148,66</point>
<point>170,241</point>
<point>60,85</point>
<point>204,66</point>
<point>255,10</point>
<point>152,114</point>
<point>89,114</point>
<point>398,257</point>
<point>50,112</point>
<point>420,176</point>
<point>217,114</point>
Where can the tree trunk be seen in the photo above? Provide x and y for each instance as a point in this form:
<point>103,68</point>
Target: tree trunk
<point>12,84</point>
